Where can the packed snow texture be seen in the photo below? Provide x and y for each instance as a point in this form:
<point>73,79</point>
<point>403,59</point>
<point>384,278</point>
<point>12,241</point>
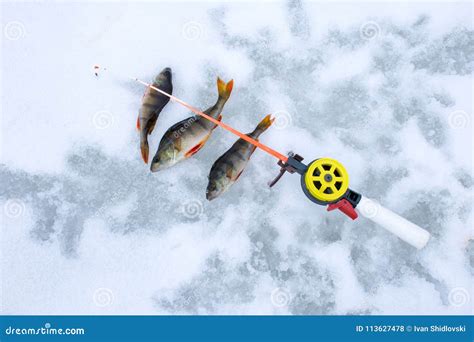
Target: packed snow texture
<point>385,88</point>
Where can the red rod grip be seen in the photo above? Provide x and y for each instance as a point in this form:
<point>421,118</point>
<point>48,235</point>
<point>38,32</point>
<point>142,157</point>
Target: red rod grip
<point>345,206</point>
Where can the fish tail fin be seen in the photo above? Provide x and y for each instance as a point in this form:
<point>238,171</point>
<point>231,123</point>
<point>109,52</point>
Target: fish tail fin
<point>224,89</point>
<point>144,148</point>
<point>263,125</point>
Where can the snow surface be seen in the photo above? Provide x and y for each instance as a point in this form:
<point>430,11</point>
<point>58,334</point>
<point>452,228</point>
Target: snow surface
<point>386,88</point>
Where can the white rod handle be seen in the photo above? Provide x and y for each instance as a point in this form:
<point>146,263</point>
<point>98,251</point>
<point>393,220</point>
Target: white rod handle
<point>394,223</point>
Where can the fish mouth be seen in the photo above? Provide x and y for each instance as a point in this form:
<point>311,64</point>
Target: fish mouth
<point>155,167</point>
<point>210,195</point>
<point>159,165</point>
<point>167,72</point>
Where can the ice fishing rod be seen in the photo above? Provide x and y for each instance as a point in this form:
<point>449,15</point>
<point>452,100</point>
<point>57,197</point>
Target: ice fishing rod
<point>325,181</point>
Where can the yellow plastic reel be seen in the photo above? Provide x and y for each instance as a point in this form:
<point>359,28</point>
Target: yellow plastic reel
<point>326,180</point>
